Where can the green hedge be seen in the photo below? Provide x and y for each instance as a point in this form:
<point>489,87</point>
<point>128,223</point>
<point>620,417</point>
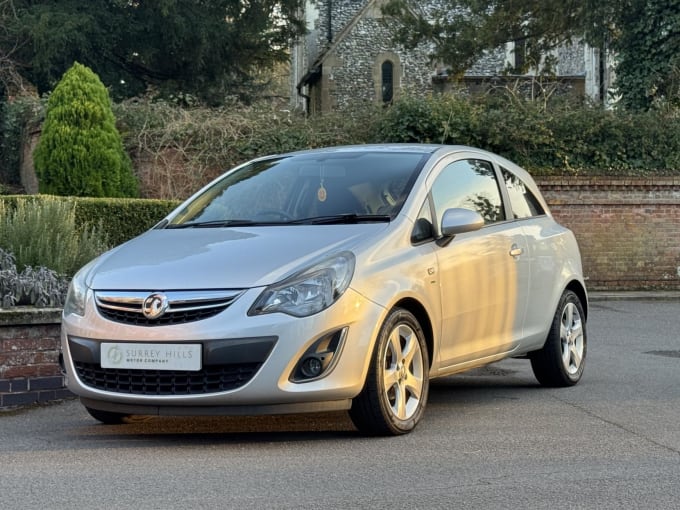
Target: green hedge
<point>552,135</point>
<point>557,136</point>
<point>123,219</point>
<point>120,218</point>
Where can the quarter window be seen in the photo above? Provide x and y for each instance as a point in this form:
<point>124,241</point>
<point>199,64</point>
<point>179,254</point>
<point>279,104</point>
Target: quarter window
<point>469,184</point>
<point>423,230</point>
<point>524,203</point>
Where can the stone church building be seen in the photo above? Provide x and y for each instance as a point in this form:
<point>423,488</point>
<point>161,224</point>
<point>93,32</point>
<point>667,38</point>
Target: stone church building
<point>348,56</point>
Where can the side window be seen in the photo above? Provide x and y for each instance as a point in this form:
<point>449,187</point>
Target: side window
<point>524,203</point>
<point>423,229</point>
<point>469,184</point>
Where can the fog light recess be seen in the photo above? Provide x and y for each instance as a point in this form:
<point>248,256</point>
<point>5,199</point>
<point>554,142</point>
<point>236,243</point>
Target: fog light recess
<point>320,357</point>
<point>311,366</point>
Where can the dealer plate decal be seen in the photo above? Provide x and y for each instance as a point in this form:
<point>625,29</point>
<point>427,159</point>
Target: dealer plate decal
<point>151,356</point>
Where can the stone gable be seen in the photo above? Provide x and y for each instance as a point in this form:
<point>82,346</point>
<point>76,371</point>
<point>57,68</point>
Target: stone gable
<point>349,58</point>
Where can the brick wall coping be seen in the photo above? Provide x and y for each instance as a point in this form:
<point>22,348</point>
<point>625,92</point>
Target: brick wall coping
<point>610,191</point>
<point>29,316</point>
<point>598,181</point>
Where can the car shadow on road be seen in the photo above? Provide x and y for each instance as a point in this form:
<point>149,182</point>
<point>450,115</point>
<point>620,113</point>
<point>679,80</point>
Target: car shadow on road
<point>479,387</point>
<point>155,430</point>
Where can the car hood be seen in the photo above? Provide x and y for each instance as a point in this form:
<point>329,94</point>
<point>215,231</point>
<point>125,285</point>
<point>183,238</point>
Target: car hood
<point>218,258</point>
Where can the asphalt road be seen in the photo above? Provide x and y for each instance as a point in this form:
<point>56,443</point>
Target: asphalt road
<point>490,439</point>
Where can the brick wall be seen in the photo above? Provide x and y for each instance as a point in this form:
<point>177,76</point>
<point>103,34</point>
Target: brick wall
<point>628,229</point>
<point>29,357</point>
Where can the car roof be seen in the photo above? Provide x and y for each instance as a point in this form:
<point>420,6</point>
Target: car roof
<point>383,147</point>
<point>424,148</point>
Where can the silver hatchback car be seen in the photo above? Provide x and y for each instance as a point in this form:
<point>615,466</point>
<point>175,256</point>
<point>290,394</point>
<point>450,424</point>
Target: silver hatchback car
<point>334,279</point>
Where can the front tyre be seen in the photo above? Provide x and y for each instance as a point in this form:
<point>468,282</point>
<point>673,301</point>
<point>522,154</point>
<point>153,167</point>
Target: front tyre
<point>562,359</point>
<point>395,393</point>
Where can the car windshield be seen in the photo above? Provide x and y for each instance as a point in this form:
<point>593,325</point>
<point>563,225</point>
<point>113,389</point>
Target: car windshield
<point>311,188</point>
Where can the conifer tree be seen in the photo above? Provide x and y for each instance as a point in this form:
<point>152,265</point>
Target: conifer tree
<point>80,151</point>
<point>209,50</point>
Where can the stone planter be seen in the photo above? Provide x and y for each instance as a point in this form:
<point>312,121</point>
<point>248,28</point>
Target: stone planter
<point>29,356</point>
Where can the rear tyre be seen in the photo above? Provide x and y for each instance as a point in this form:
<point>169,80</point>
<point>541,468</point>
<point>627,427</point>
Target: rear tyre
<point>393,399</point>
<point>562,359</point>
<point>107,417</point>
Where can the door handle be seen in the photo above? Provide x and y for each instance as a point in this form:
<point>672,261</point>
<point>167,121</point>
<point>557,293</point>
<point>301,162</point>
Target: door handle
<point>515,251</point>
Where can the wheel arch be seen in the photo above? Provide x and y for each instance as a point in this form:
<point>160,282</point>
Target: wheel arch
<point>578,288</point>
<point>420,313</point>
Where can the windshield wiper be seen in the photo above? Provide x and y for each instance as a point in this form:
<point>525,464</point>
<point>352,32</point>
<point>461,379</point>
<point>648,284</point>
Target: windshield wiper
<point>342,218</point>
<point>221,223</point>
<point>335,219</point>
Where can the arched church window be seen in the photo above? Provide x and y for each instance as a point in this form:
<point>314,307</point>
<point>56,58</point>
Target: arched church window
<point>387,71</point>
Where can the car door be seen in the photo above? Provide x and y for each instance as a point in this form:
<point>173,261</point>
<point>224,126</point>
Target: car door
<point>544,244</point>
<point>484,274</point>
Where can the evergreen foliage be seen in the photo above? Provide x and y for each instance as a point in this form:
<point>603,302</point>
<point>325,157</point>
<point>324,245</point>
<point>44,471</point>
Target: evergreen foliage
<point>206,49</point>
<point>648,51</point>
<point>80,151</point>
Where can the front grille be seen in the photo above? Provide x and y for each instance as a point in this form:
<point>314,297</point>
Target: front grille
<point>182,307</point>
<point>137,319</point>
<point>211,379</point>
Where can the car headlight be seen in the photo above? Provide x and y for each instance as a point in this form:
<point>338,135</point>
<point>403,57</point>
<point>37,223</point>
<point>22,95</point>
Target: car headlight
<point>309,291</point>
<point>77,292</point>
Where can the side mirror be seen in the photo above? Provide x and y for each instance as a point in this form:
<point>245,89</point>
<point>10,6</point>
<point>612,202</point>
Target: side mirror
<point>458,221</point>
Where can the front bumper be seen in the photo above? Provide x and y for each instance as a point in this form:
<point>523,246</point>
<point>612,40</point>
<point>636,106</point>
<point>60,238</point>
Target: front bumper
<point>269,347</point>
<point>226,365</point>
<point>240,410</point>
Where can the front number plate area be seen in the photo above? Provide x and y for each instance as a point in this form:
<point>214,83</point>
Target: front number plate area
<point>151,356</point>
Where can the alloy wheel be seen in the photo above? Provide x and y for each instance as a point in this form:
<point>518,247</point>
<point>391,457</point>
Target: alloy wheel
<point>571,336</point>
<point>403,371</point>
